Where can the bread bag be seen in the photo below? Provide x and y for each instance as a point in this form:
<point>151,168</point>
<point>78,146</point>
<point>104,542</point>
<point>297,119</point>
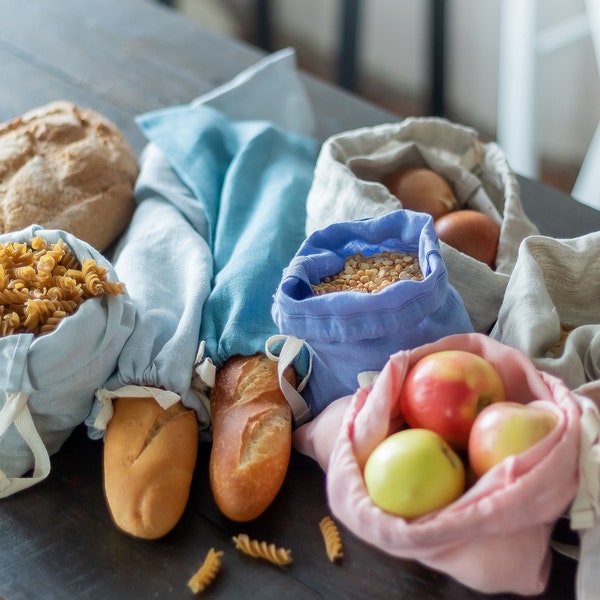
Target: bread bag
<point>221,209</point>
<point>148,412</point>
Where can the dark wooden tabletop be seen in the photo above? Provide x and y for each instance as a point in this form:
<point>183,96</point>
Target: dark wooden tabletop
<point>123,58</point>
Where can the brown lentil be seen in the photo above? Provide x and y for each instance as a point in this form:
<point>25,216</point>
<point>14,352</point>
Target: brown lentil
<point>371,274</point>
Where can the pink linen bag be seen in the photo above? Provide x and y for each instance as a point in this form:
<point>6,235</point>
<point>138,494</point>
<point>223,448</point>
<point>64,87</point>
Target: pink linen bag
<point>495,537</point>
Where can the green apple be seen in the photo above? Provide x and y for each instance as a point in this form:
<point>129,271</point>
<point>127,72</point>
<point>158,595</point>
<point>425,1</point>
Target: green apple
<point>504,429</point>
<point>413,472</point>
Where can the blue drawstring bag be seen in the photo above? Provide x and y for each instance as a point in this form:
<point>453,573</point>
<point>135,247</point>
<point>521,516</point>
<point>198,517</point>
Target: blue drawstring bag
<point>348,332</point>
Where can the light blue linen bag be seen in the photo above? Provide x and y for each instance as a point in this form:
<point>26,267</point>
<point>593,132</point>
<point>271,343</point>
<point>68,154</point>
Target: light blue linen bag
<point>221,210</point>
<point>48,382</point>
<point>167,264</point>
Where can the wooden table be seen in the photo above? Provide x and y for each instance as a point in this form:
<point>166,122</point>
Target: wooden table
<point>56,540</point>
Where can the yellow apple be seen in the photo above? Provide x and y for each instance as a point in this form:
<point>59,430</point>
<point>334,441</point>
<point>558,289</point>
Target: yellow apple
<point>504,429</point>
<point>413,472</point>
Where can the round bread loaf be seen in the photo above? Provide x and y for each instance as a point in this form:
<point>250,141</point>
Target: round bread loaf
<point>64,167</point>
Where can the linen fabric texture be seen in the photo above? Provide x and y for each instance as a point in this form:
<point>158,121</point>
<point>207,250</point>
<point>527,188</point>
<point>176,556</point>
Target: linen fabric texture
<point>495,537</point>
<point>550,312</point>
<point>550,307</point>
<point>220,211</point>
<point>58,372</point>
<point>347,185</point>
<point>167,264</point>
<point>250,179</point>
<point>350,332</point>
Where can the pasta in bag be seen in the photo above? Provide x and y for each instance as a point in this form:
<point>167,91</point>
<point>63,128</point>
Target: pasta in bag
<point>493,538</point>
<point>349,332</point>
<point>64,321</point>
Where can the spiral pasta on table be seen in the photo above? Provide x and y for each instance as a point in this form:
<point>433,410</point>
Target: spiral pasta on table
<point>207,571</point>
<point>41,283</point>
<point>256,549</point>
<point>332,539</point>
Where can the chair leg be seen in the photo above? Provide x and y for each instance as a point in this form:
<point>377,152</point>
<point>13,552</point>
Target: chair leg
<point>264,38</point>
<point>349,43</point>
<point>437,98</point>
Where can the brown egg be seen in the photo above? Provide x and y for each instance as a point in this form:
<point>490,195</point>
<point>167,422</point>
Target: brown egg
<point>423,190</point>
<point>471,232</point>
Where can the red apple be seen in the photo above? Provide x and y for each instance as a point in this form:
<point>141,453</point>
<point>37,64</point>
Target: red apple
<point>445,391</point>
<point>504,429</point>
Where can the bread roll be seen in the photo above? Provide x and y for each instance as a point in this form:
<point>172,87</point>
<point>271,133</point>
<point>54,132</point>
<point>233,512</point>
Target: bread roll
<point>149,459</point>
<point>64,167</point>
<point>252,436</point>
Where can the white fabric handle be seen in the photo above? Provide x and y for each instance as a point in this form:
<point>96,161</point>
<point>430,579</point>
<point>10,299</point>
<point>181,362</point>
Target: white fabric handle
<point>105,397</point>
<point>17,411</point>
<point>585,508</point>
<point>292,346</point>
<point>203,378</point>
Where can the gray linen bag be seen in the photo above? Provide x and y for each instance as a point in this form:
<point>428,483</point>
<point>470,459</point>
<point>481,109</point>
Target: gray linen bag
<point>551,305</point>
<point>347,186</point>
<point>550,311</point>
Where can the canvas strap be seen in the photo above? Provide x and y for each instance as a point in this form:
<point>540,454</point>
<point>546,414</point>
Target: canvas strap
<point>16,411</point>
<point>105,397</point>
<point>292,346</point>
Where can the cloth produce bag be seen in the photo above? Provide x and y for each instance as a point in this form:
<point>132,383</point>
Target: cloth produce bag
<point>347,185</point>
<point>48,381</point>
<point>550,312</point>
<point>350,332</point>
<point>165,259</point>
<point>550,308</point>
<point>495,537</point>
<point>221,210</point>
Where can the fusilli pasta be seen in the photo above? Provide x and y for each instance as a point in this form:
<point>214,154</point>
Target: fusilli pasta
<point>207,571</point>
<point>41,283</point>
<point>270,552</point>
<point>331,536</point>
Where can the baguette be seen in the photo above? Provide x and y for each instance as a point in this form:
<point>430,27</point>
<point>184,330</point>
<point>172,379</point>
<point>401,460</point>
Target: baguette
<point>149,459</point>
<point>252,436</point>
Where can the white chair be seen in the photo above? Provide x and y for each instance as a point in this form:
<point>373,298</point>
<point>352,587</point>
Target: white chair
<point>521,48</point>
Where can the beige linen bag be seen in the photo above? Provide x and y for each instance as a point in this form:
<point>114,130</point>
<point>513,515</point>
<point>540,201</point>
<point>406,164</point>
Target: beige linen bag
<point>551,312</point>
<point>551,308</point>
<point>347,186</point>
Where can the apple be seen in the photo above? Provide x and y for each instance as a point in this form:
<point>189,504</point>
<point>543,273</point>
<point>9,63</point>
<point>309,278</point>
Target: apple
<point>445,391</point>
<point>413,472</point>
<point>504,429</point>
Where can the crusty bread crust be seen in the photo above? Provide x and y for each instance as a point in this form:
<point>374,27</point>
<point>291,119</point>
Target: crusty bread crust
<point>252,433</point>
<point>67,168</point>
<point>149,459</point>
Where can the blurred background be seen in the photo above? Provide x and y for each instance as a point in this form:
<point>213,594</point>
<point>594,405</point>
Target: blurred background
<point>522,72</point>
